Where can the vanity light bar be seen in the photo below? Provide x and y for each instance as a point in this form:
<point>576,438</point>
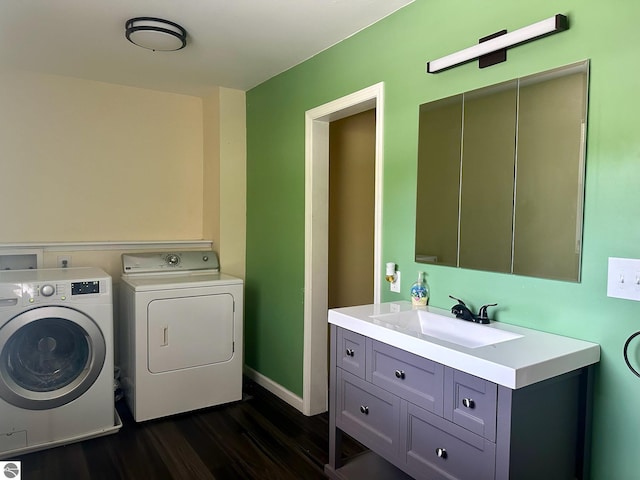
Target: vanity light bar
<point>557,23</point>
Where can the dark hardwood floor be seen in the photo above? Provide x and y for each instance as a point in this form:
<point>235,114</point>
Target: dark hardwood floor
<point>260,437</point>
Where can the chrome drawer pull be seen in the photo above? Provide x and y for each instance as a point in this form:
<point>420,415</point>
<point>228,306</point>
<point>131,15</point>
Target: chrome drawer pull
<point>468,402</point>
<point>364,410</point>
<point>400,374</point>
<point>350,352</point>
<point>441,452</point>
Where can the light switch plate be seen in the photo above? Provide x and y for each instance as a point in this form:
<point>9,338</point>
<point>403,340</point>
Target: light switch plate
<point>623,279</point>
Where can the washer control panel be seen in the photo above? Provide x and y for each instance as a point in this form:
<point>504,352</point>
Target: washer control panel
<point>33,293</point>
<point>47,290</point>
<point>85,288</point>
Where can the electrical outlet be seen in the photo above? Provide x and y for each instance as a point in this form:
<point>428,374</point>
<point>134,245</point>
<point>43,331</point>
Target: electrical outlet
<point>64,261</point>
<point>395,286</point>
<point>623,279</point>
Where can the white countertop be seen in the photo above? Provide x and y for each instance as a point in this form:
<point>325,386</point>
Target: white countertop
<point>516,363</point>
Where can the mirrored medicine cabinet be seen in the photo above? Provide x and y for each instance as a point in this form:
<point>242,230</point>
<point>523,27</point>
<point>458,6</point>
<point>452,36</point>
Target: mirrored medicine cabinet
<point>501,176</point>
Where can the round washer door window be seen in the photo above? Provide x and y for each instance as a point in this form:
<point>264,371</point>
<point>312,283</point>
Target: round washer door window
<point>50,356</point>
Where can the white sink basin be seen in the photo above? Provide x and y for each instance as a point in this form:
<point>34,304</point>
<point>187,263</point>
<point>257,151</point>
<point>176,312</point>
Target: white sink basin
<point>449,329</point>
<point>505,354</point>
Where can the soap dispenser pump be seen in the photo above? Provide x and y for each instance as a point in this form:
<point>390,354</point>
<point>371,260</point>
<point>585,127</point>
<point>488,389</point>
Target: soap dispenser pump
<point>420,291</point>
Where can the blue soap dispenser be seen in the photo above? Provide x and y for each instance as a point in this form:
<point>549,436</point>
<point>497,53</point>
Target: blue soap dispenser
<point>420,291</point>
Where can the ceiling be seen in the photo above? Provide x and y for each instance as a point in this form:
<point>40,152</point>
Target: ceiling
<point>231,43</point>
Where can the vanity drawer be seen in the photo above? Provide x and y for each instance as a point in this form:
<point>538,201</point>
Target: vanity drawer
<point>471,402</point>
<point>368,413</point>
<point>434,448</point>
<point>416,379</point>
<point>351,352</point>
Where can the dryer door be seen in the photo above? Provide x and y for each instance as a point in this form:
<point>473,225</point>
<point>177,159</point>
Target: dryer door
<point>187,332</point>
<point>49,357</point>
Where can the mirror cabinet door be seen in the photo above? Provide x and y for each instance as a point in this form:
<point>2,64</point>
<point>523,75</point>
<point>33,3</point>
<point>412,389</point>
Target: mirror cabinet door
<point>488,146</point>
<point>501,176</point>
<point>440,135</point>
<point>549,184</point>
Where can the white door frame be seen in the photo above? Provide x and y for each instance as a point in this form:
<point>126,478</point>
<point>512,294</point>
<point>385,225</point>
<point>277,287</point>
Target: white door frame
<point>314,395</point>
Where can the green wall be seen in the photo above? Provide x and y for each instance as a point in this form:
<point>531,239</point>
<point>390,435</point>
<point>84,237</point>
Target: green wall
<point>395,51</point>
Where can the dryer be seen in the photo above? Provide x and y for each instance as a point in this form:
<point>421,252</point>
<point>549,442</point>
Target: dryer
<point>181,333</point>
<point>56,358</point>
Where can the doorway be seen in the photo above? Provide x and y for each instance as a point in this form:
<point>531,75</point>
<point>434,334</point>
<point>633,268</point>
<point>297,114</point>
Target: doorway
<point>317,122</point>
<point>351,209</point>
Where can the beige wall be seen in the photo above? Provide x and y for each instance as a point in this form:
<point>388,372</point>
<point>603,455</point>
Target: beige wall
<point>211,166</point>
<point>233,184</point>
<point>352,143</point>
<point>90,161</point>
<point>84,161</point>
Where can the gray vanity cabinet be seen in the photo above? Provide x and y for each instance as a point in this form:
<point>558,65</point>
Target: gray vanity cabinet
<point>416,379</point>
<point>471,402</point>
<point>369,413</point>
<point>351,352</point>
<point>436,449</point>
<point>424,420</point>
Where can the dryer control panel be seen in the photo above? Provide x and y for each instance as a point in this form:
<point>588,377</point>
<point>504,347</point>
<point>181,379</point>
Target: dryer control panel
<point>161,262</point>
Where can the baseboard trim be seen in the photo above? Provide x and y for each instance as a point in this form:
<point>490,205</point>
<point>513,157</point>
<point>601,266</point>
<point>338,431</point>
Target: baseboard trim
<point>278,390</point>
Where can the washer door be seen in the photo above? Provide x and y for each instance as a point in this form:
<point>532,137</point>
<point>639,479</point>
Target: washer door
<point>49,357</point>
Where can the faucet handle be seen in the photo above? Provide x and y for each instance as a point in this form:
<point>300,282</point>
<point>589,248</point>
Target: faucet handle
<point>460,310</point>
<point>457,300</point>
<point>482,313</point>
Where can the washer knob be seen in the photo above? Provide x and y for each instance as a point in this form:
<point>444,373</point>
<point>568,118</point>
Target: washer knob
<point>47,290</point>
<point>173,259</point>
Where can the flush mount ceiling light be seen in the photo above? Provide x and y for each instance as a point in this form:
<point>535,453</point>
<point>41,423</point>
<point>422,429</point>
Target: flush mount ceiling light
<point>493,48</point>
<point>155,34</point>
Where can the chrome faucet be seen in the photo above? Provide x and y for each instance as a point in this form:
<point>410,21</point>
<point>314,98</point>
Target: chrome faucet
<point>460,310</point>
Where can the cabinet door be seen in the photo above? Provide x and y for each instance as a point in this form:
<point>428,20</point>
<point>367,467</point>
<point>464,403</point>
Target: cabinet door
<point>351,352</point>
<point>434,448</point>
<point>414,378</point>
<point>369,414</point>
<point>471,402</point>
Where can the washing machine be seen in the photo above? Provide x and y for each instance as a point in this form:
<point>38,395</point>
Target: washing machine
<point>56,358</point>
<point>181,333</point>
